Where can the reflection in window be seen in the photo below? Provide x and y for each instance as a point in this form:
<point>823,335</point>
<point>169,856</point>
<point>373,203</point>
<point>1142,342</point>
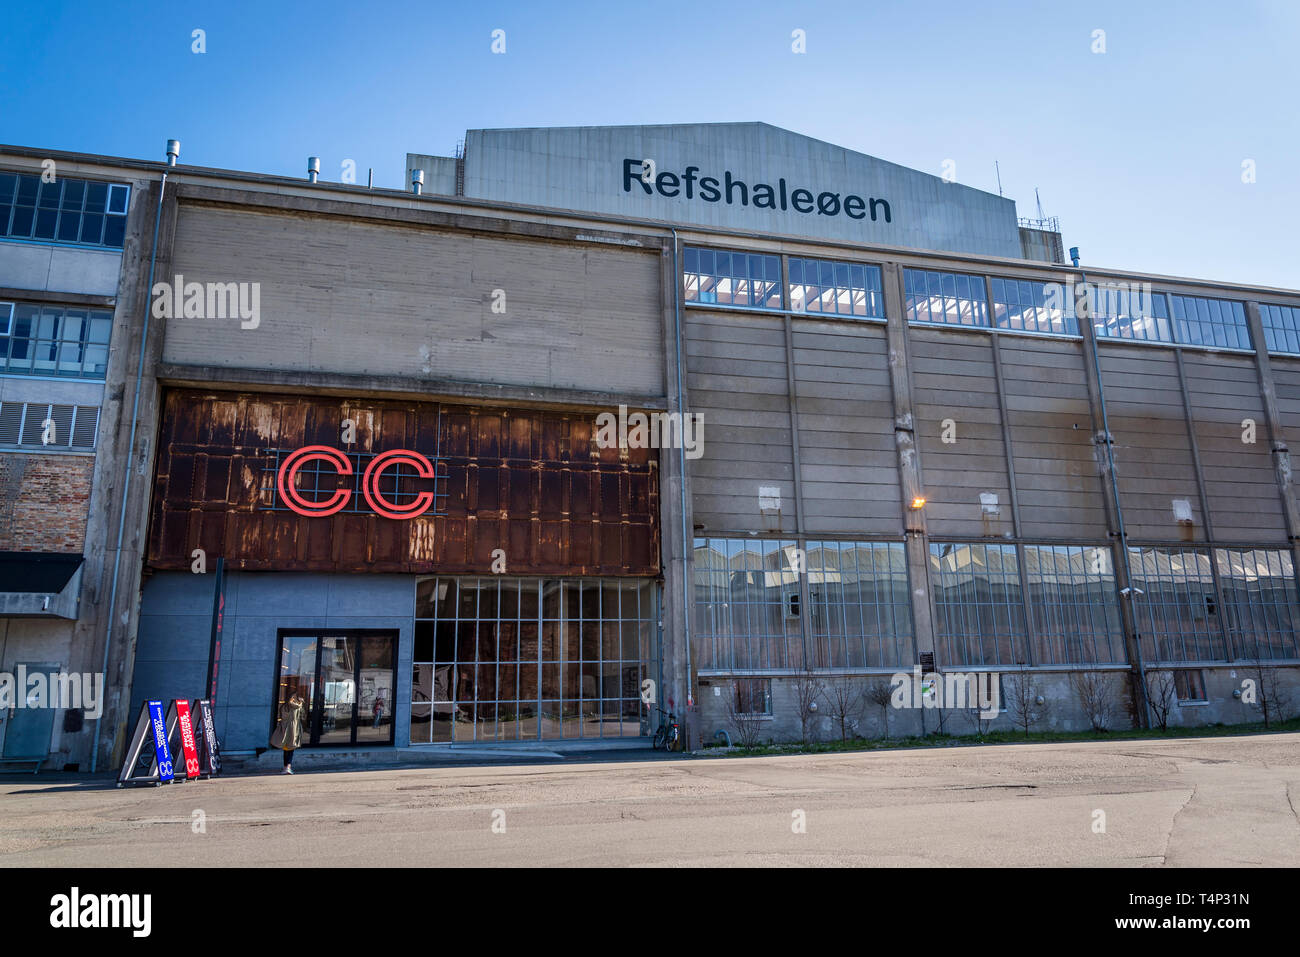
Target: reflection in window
<point>1177,613</point>
<point>1281,328</point>
<point>1189,685</point>
<point>859,615</point>
<point>1259,602</point>
<point>1073,605</point>
<point>842,289</point>
<point>1023,305</point>
<point>747,605</point>
<point>753,695</point>
<point>55,341</point>
<point>1129,312</point>
<point>952,298</point>
<point>747,601</point>
<point>732,278</point>
<point>64,211</point>
<point>980,615</point>
<point>1199,321</point>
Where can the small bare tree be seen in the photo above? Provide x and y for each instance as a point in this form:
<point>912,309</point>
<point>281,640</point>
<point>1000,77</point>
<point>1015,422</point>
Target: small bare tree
<point>1272,699</point>
<point>976,714</point>
<point>746,722</point>
<point>1025,700</point>
<point>844,700</point>
<point>881,694</point>
<point>1096,694</point>
<point>807,689</point>
<point>1161,696</point>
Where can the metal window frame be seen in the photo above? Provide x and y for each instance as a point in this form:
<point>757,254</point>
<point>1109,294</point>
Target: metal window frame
<point>644,625</point>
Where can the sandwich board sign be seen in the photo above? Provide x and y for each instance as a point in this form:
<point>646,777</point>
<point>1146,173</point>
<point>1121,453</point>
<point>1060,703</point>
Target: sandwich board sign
<point>180,722</point>
<point>205,733</point>
<point>148,755</point>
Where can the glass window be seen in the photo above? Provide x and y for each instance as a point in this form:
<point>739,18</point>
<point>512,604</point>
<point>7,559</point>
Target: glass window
<point>1129,311</point>
<point>1281,326</point>
<point>731,278</point>
<point>67,210</point>
<point>1177,611</point>
<point>1023,305</point>
<point>1189,685</point>
<point>980,613</point>
<point>753,695</point>
<point>945,297</point>
<point>1073,605</point>
<point>833,288</point>
<point>1259,602</point>
<point>1210,322</point>
<point>747,604</point>
<point>859,614</point>
<point>55,341</point>
<point>523,658</point>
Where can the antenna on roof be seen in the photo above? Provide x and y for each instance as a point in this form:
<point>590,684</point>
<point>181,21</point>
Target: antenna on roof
<point>999,170</point>
<point>1039,202</point>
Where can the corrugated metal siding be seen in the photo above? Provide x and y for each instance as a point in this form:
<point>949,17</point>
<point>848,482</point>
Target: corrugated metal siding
<point>532,483</point>
<point>1046,396</point>
<point>1239,482</point>
<point>1153,460</point>
<point>953,378</point>
<point>358,298</point>
<point>736,375</point>
<point>846,429</point>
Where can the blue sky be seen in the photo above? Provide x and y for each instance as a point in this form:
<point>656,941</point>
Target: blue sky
<point>1138,150</point>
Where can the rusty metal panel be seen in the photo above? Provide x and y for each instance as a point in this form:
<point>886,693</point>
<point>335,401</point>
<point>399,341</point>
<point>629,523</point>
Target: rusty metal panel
<point>532,483</point>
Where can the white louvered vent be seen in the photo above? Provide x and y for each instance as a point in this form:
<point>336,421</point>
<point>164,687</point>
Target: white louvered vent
<point>23,425</point>
<point>11,422</point>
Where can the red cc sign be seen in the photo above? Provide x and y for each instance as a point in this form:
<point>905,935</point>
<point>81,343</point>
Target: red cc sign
<point>286,482</point>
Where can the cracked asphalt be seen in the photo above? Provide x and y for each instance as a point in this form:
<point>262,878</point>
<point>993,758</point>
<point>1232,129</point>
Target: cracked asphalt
<point>1216,802</point>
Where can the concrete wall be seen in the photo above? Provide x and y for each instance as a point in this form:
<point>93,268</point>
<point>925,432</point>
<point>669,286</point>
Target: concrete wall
<point>582,168</point>
<point>364,299</point>
<point>1064,710</point>
<point>174,634</point>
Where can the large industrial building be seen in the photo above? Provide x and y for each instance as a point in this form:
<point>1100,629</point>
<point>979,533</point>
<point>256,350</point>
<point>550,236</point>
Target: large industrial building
<point>351,442</point>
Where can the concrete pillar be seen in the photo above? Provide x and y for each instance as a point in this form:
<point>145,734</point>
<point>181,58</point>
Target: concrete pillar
<point>910,481</point>
<point>1103,443</point>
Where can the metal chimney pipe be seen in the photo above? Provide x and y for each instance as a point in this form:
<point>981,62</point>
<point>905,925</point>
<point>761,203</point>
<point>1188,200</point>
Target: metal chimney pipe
<point>313,168</point>
<point>173,151</point>
<point>417,181</point>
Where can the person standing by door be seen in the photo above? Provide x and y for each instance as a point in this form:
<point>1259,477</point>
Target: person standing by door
<point>288,732</point>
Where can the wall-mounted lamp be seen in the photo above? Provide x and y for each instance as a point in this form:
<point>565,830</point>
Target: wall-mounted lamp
<point>918,503</point>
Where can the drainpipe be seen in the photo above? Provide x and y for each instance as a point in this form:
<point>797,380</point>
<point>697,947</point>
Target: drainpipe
<point>130,448</point>
<point>1119,512</point>
<point>681,463</point>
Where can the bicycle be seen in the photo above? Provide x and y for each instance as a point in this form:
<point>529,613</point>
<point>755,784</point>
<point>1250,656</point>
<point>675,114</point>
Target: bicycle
<point>668,733</point>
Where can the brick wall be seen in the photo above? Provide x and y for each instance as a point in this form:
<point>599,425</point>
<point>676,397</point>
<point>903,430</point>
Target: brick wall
<point>44,501</point>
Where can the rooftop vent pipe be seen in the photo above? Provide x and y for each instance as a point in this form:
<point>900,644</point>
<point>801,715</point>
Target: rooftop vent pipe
<point>313,168</point>
<point>417,181</point>
<point>173,151</point>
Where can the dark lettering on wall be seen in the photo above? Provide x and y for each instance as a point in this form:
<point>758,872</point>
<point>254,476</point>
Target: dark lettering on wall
<point>761,195</point>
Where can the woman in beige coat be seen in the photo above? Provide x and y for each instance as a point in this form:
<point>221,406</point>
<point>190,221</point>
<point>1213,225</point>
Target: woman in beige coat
<point>288,732</point>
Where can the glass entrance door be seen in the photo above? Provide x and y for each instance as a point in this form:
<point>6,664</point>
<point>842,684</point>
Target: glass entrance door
<point>347,682</point>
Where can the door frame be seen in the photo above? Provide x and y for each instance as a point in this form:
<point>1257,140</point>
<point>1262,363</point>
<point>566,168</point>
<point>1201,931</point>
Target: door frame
<point>313,728</point>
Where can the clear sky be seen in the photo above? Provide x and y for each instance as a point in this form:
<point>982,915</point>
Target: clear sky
<point>1139,150</point>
